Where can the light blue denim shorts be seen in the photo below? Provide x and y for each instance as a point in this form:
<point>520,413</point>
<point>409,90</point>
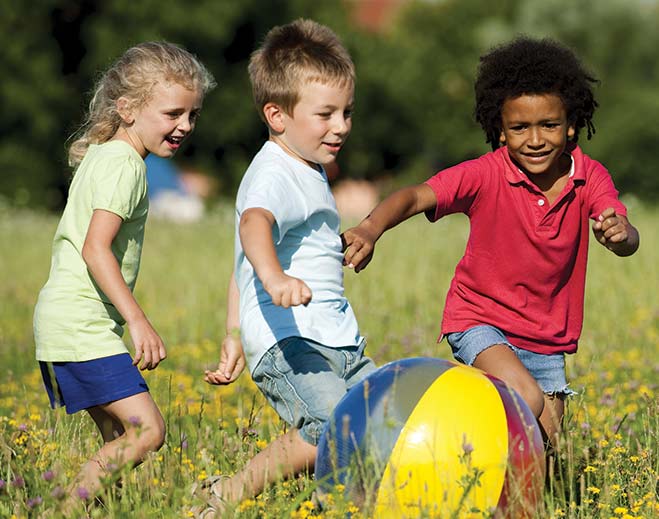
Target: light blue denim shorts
<point>303,380</point>
<point>548,370</point>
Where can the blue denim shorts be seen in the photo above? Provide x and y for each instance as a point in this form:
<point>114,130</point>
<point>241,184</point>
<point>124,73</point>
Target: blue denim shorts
<point>303,381</point>
<point>81,385</point>
<point>548,370</point>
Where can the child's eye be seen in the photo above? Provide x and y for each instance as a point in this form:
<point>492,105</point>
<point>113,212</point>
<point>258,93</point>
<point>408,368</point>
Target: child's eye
<point>348,114</point>
<point>325,115</point>
<point>518,127</point>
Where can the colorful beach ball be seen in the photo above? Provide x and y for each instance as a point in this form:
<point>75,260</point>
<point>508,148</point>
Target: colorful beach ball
<point>426,437</point>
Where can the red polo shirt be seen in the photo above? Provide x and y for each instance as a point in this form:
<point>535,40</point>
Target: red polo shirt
<point>524,267</point>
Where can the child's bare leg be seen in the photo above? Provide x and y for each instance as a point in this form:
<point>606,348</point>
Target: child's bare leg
<point>131,428</point>
<point>499,360</point>
<point>551,418</point>
<point>286,456</point>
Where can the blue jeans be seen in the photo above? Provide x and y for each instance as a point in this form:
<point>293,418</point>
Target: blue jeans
<point>303,381</point>
<point>548,370</point>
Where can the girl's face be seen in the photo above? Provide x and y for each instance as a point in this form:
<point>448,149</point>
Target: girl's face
<point>536,132</point>
<point>163,123</point>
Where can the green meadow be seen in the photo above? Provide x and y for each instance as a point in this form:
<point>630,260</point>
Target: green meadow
<point>607,463</point>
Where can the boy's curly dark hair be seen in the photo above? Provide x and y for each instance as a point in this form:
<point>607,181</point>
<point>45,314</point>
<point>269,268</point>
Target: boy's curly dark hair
<point>529,66</point>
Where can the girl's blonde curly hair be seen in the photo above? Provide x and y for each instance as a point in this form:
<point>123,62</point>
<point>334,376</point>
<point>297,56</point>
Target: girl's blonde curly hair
<point>133,76</point>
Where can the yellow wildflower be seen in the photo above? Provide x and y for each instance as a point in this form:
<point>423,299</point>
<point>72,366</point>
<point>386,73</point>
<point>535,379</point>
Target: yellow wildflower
<point>246,505</point>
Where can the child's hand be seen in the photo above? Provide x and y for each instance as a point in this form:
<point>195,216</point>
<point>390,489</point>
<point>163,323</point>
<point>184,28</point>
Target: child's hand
<point>149,347</point>
<point>232,362</point>
<point>286,290</point>
<point>359,245</point>
<point>615,233</point>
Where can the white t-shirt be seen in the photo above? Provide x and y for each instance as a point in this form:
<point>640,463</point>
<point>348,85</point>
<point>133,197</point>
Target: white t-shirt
<point>308,245</point>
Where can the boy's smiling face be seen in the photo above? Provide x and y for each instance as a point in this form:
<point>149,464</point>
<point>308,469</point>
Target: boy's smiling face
<point>319,125</point>
<point>536,131</point>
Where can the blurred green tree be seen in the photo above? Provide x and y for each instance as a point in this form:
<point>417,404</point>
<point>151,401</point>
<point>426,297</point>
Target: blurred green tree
<point>37,100</point>
<point>55,49</point>
<point>416,82</point>
<point>414,97</point>
<point>618,40</point>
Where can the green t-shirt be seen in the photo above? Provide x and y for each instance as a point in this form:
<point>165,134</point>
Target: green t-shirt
<point>74,320</point>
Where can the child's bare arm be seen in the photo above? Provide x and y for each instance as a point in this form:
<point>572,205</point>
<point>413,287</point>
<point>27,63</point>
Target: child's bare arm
<point>616,233</point>
<point>359,241</point>
<point>232,357</point>
<point>256,238</point>
<point>104,268</point>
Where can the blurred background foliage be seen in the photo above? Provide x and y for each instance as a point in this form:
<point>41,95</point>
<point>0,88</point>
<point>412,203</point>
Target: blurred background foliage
<point>415,59</point>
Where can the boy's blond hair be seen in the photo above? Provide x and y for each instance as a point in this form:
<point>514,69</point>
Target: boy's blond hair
<point>295,54</point>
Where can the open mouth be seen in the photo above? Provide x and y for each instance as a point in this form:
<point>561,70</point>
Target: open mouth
<point>333,146</point>
<point>175,141</point>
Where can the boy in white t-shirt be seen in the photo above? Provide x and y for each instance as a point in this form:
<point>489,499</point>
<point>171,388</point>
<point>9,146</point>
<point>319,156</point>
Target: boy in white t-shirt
<point>286,299</point>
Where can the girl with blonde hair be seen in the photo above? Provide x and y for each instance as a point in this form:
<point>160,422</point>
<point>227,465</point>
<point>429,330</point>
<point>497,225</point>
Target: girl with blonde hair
<point>148,101</point>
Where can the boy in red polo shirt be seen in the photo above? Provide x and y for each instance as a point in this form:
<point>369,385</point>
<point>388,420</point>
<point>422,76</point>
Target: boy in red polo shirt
<point>515,305</point>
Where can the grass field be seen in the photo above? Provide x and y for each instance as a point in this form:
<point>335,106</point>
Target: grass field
<point>608,462</point>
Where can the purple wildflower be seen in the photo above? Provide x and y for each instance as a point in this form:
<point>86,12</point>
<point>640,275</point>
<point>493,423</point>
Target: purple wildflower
<point>34,502</point>
<point>49,475</point>
<point>83,493</point>
<point>467,447</point>
<point>18,482</point>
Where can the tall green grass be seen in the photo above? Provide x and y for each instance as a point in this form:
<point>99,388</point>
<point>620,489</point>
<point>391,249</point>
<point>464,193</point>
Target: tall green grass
<point>607,465</point>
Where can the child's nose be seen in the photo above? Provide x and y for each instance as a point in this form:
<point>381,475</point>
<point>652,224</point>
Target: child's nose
<point>535,137</point>
<point>341,126</point>
<point>185,124</point>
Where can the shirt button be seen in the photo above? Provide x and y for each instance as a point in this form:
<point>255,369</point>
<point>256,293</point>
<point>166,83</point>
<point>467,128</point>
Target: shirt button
<point>541,202</point>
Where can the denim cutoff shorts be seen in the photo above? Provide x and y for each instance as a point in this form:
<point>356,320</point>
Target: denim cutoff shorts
<point>548,370</point>
<point>304,380</point>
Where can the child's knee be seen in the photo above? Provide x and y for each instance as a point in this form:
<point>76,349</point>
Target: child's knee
<point>152,435</point>
<point>533,395</point>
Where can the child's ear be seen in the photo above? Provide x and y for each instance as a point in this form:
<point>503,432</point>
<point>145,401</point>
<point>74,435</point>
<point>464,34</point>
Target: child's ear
<point>502,138</point>
<point>570,131</point>
<point>274,116</point>
<point>125,110</point>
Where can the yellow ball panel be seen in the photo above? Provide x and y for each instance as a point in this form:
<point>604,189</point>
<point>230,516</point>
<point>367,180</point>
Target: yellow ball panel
<point>428,468</point>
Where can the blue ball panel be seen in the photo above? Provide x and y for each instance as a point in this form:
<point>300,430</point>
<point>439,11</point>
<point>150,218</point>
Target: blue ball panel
<point>370,421</point>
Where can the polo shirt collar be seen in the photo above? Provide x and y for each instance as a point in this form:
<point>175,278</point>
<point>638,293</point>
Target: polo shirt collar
<point>515,176</point>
